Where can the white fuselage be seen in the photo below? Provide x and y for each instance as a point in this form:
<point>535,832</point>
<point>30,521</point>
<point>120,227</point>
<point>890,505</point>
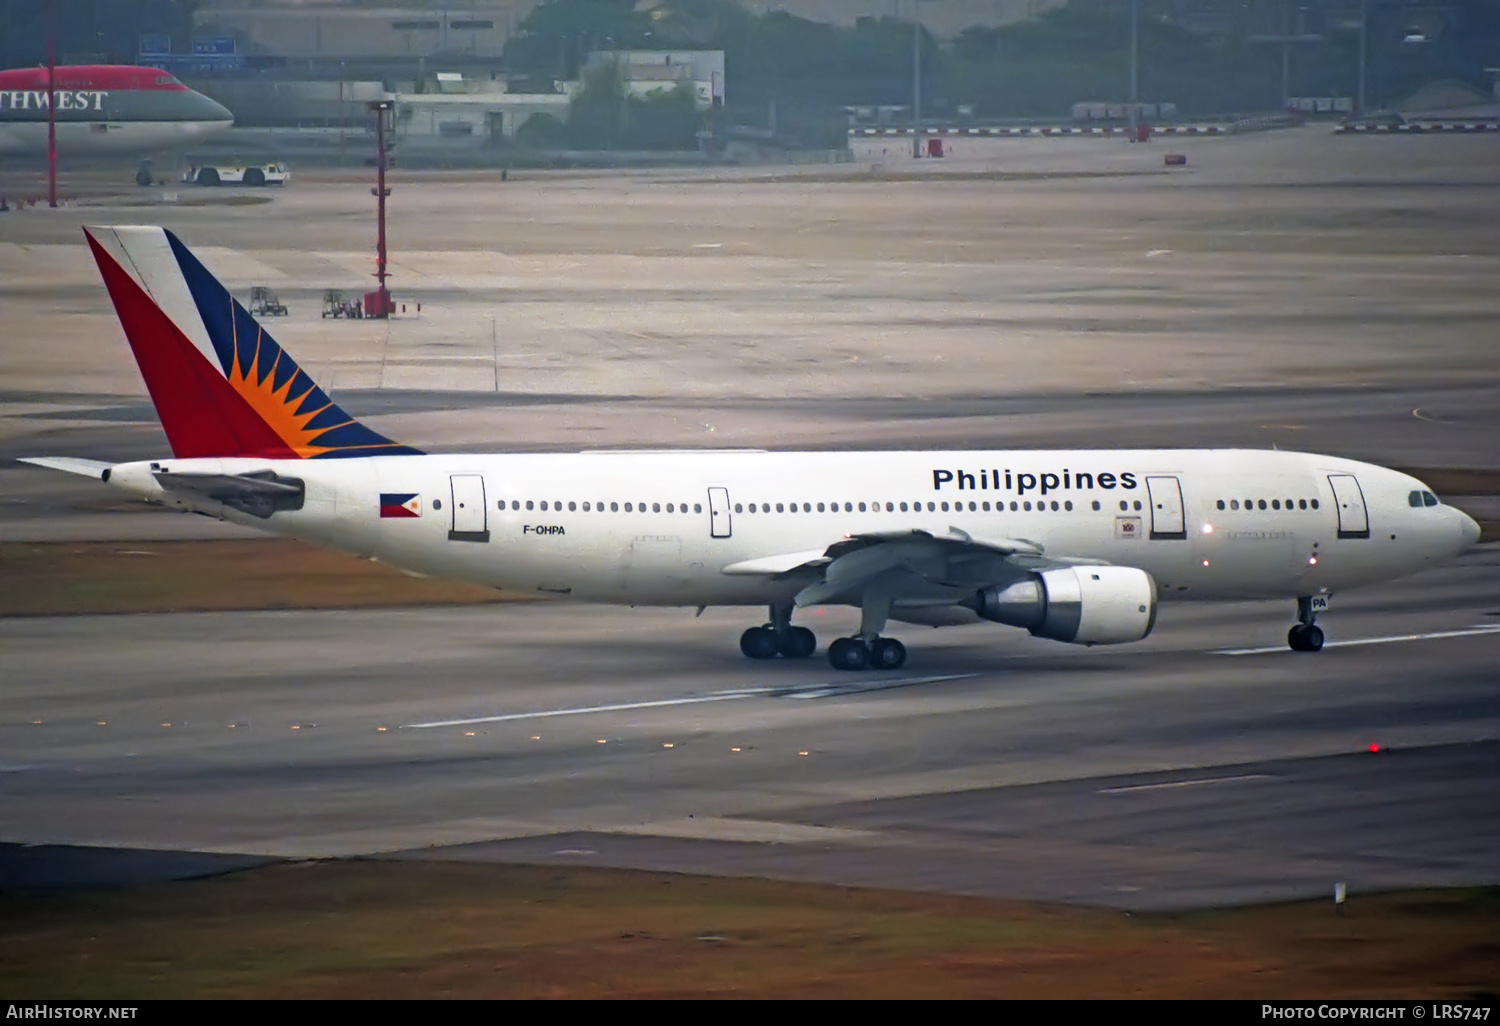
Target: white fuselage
<point>106,137</point>
<point>659,528</point>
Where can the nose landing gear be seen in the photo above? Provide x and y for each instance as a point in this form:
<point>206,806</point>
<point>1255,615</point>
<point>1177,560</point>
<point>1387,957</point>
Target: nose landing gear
<point>1307,636</point>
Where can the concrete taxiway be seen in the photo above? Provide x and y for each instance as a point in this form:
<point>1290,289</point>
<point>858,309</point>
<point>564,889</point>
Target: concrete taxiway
<point>1204,765</point>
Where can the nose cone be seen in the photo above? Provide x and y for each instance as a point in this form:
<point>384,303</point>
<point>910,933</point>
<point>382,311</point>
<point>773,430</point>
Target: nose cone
<point>1468,531</point>
<point>216,111</point>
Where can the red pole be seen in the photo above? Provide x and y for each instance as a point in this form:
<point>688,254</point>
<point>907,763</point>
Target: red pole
<point>380,198</point>
<point>51,108</point>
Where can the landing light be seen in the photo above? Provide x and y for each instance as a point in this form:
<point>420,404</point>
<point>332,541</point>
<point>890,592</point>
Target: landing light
<point>1208,528</point>
<point>1312,560</point>
<point>1205,562</point>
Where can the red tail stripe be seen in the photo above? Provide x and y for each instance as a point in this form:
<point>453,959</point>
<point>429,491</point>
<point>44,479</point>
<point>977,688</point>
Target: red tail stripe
<point>200,411</point>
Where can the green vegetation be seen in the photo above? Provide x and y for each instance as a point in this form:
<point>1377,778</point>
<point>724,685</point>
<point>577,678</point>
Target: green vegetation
<point>371,929</point>
<point>811,70</point>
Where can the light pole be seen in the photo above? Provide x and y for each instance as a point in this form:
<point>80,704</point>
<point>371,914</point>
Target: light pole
<point>1135,51</point>
<point>1364,15</point>
<point>916,78</point>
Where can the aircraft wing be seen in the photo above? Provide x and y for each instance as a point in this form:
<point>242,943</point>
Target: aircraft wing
<point>260,493</point>
<point>919,566</point>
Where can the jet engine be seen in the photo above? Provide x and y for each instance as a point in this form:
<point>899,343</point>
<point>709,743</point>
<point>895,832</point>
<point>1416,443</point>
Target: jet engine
<point>1086,605</point>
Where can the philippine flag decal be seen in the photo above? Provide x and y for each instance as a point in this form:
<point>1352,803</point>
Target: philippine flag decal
<point>400,504</point>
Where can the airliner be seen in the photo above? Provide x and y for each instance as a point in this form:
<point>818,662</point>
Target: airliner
<point>1076,546</point>
<point>104,109</point>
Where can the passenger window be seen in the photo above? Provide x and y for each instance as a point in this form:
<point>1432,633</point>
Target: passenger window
<point>698,507</point>
<point>1014,505</point>
<point>737,508</point>
<point>807,507</point>
<point>1262,503</point>
<point>655,507</point>
<point>778,508</point>
<point>1234,503</point>
<point>1124,505</point>
<point>586,506</point>
<point>752,507</point>
<point>1137,504</point>
<point>1096,505</point>
<point>903,507</point>
<point>1301,503</point>
<point>1068,506</point>
<point>671,508</point>
<point>573,506</point>
<point>1314,503</point>
<point>985,506</point>
<point>1288,503</point>
<point>1027,505</point>
<point>1221,503</point>
<point>528,504</point>
<point>820,507</point>
<point>945,507</point>
<point>1275,503</point>
<point>932,507</point>
<point>614,507</point>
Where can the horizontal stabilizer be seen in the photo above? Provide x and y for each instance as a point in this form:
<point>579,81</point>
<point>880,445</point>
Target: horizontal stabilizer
<point>70,464</point>
<point>260,493</point>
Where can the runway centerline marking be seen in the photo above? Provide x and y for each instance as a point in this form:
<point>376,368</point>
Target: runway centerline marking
<point>1486,629</point>
<point>822,690</point>
<point>1184,783</point>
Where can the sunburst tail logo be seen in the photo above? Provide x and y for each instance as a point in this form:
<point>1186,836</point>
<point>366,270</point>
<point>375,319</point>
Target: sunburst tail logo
<point>263,374</point>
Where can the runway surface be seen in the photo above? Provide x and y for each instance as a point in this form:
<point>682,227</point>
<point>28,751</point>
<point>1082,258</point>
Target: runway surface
<point>1163,774</point>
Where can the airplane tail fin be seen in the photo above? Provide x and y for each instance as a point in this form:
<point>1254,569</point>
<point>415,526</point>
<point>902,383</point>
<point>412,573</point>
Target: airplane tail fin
<point>220,383</point>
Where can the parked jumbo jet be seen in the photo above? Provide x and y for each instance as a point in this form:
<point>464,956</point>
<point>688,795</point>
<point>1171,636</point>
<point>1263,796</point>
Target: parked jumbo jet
<point>1075,546</point>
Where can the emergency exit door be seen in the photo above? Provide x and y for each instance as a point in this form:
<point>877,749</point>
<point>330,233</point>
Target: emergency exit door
<point>469,516</point>
<point>720,525</point>
<point>1167,520</point>
<point>1354,522</point>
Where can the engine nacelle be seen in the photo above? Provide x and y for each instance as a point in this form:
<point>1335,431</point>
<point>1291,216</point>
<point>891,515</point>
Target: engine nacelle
<point>1086,605</point>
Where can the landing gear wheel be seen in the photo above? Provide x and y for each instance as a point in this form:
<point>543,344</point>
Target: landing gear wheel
<point>848,654</point>
<point>1305,638</point>
<point>759,643</point>
<point>798,643</point>
<point>887,654</point>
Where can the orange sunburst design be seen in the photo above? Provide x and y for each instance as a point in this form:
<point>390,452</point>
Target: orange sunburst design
<point>278,406</point>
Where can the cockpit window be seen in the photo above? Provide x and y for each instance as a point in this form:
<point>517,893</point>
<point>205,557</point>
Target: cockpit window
<point>1414,499</point>
<point>1428,499</point>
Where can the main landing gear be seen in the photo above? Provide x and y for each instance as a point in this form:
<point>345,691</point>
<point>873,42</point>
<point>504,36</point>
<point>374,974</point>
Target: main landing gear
<point>1307,636</point>
<point>778,638</point>
<point>865,651</point>
<point>859,654</point>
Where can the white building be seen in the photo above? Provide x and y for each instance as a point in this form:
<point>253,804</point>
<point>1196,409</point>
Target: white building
<point>453,107</point>
<point>652,71</point>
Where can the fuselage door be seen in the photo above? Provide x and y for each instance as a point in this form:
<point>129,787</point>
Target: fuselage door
<point>718,512</point>
<point>1354,522</point>
<point>1166,508</point>
<point>469,522</point>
